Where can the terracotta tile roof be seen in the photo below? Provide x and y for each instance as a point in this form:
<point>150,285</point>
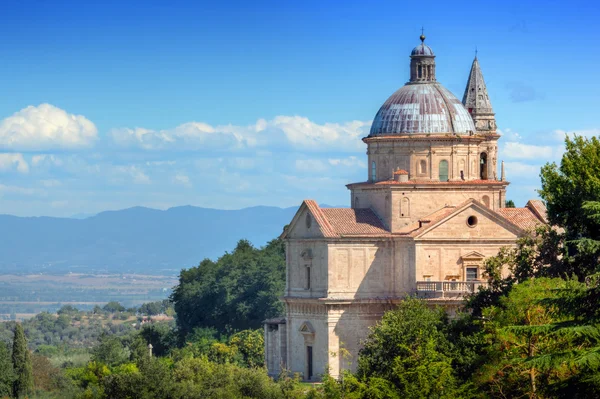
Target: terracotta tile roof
<point>346,221</point>
<point>539,208</point>
<point>437,183</point>
<point>320,218</point>
<point>400,172</point>
<point>523,218</point>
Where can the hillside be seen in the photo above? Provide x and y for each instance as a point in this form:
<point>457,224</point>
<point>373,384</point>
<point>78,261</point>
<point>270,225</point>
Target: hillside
<point>132,240</point>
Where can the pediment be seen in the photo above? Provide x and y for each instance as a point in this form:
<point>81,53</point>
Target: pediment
<point>306,328</point>
<point>473,255</point>
<point>472,220</point>
<point>306,223</point>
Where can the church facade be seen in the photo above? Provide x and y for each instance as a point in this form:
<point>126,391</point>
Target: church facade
<point>430,211</point>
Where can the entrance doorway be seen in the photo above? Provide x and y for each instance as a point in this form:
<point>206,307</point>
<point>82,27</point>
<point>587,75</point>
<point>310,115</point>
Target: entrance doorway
<point>309,362</point>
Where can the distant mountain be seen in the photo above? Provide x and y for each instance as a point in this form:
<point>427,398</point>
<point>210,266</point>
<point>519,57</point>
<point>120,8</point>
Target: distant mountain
<point>137,239</point>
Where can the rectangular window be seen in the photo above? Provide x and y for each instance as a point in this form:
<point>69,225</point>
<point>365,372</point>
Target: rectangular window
<point>471,273</point>
<point>307,283</point>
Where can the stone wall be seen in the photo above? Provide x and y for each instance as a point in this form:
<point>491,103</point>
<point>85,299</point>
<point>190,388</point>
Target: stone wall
<point>422,157</point>
<point>400,205</point>
<point>303,254</point>
<point>360,269</point>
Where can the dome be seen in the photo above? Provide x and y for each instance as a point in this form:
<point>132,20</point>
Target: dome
<point>422,108</point>
<point>423,49</point>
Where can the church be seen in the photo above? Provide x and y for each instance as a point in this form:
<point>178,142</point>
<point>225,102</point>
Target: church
<point>423,222</point>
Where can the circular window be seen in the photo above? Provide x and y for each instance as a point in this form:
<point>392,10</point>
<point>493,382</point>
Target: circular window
<point>472,221</point>
<point>308,221</point>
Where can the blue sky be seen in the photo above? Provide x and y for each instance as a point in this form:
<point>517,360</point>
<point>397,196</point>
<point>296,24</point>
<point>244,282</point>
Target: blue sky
<point>235,104</point>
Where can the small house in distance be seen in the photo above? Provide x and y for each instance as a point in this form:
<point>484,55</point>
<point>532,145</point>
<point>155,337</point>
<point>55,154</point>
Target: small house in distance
<point>422,223</point>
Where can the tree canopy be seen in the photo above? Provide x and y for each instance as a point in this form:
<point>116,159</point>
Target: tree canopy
<point>236,292</point>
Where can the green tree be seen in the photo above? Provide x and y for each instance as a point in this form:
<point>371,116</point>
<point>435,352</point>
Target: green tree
<point>162,337</point>
<point>527,340</point>
<point>509,204</point>
<point>110,351</point>
<point>567,190</point>
<point>113,307</point>
<point>6,371</point>
<point>21,360</point>
<point>237,292</point>
<point>409,348</point>
<point>250,345</point>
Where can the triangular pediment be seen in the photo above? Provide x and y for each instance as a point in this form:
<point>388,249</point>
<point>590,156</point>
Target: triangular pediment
<point>306,328</point>
<point>473,255</point>
<point>308,222</point>
<point>471,220</point>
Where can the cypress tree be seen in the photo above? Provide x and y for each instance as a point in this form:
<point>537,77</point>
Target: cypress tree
<point>6,371</point>
<point>21,359</point>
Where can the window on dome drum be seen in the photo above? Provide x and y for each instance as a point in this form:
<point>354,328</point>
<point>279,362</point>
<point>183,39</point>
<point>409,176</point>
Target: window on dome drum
<point>471,273</point>
<point>373,171</point>
<point>423,167</point>
<point>483,166</point>
<point>443,170</point>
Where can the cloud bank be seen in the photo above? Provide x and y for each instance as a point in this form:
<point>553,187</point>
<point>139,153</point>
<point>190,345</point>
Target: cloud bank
<point>53,162</point>
<point>46,127</point>
<point>292,133</point>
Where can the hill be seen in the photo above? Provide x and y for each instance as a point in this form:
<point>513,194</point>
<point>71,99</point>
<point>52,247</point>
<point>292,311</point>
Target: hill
<point>140,240</point>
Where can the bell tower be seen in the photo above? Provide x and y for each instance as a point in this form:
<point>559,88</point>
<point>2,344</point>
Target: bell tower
<point>477,101</point>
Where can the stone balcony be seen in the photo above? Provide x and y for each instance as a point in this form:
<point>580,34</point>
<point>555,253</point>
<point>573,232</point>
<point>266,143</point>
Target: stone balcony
<point>447,289</point>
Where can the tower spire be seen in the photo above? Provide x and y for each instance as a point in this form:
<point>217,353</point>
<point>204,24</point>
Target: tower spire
<point>477,101</point>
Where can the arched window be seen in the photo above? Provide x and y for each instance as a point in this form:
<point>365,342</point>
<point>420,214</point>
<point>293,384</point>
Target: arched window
<point>405,208</point>
<point>373,171</point>
<point>483,166</point>
<point>486,200</point>
<point>423,167</point>
<point>443,170</point>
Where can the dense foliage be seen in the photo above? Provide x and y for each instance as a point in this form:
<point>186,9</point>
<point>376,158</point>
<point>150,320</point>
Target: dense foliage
<point>236,292</point>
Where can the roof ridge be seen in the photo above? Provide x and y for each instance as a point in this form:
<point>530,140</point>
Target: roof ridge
<point>315,209</point>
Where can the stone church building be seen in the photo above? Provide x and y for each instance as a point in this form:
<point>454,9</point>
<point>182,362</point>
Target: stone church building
<point>429,213</point>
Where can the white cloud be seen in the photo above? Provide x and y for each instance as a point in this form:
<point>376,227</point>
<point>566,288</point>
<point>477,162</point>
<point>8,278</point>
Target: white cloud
<point>51,183</point>
<point>516,150</point>
<point>182,179</point>
<point>310,165</point>
<point>46,159</point>
<point>519,170</point>
<point>350,162</point>
<point>59,204</point>
<point>133,172</point>
<point>8,161</point>
<point>508,135</point>
<point>46,127</point>
<point>283,131</point>
<point>4,189</point>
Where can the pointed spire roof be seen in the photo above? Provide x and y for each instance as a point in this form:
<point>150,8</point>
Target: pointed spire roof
<point>476,98</point>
